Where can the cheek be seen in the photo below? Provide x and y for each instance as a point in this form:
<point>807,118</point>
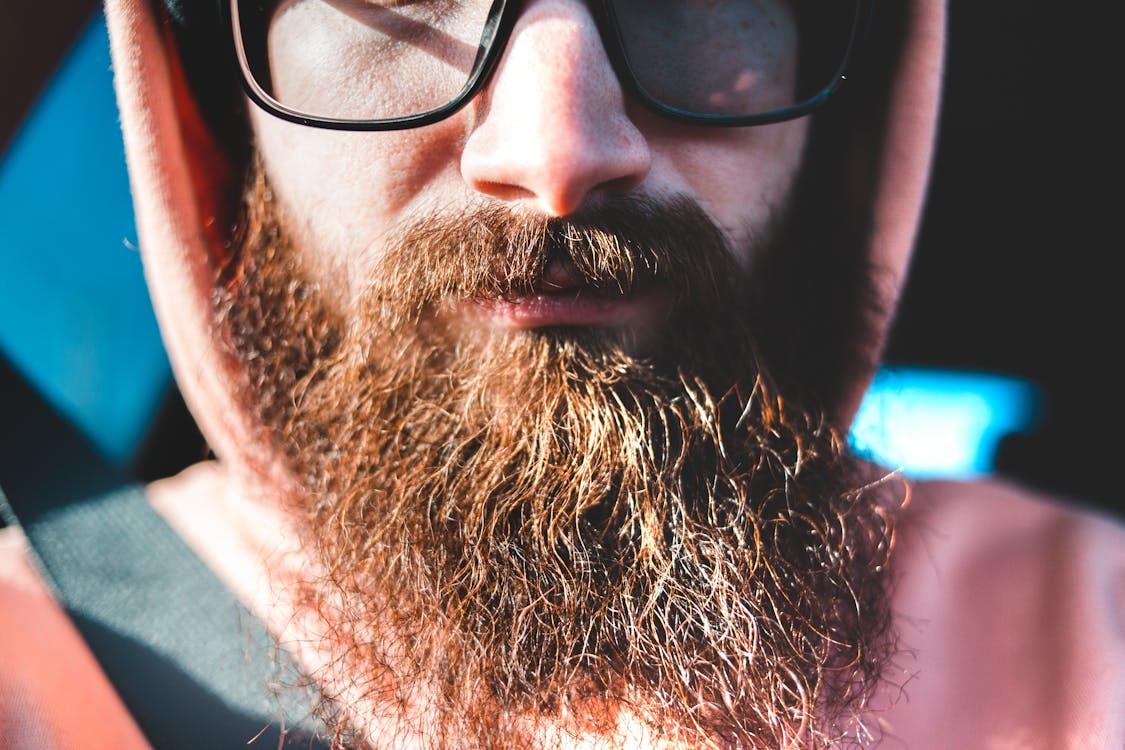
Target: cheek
<point>742,177</point>
<point>340,191</point>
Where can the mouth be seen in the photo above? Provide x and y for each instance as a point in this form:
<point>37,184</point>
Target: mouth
<point>563,298</point>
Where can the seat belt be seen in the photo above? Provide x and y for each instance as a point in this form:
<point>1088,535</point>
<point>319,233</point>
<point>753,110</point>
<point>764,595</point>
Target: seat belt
<point>194,667</point>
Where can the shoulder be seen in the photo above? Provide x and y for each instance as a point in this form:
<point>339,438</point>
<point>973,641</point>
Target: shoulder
<point>1007,508</point>
<point>1010,608</point>
<point>1002,540</point>
<point>53,695</point>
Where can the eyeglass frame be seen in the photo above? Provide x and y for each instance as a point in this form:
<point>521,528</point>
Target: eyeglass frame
<point>502,18</point>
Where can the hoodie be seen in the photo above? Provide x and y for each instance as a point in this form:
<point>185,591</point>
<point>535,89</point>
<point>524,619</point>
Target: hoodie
<point>1009,607</point>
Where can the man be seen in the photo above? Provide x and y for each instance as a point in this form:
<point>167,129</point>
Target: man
<point>525,335</point>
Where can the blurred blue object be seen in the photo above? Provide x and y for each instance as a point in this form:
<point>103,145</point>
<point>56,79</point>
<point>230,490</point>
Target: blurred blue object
<point>74,312</point>
<point>76,318</point>
<point>941,423</point>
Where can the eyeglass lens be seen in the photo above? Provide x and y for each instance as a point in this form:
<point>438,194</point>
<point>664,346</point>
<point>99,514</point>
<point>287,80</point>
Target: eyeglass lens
<point>386,59</point>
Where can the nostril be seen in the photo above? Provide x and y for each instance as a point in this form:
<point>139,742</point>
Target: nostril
<point>505,191</point>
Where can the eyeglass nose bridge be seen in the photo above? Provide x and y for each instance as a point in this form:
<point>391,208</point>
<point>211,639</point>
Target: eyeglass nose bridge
<point>501,21</point>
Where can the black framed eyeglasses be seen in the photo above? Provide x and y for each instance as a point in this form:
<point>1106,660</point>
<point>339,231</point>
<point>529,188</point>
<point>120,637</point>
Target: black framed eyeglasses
<point>395,64</point>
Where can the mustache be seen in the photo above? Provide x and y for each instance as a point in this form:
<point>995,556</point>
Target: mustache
<point>495,252</point>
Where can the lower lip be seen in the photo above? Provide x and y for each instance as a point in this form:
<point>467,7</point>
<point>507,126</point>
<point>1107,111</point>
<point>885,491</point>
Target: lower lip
<point>572,308</point>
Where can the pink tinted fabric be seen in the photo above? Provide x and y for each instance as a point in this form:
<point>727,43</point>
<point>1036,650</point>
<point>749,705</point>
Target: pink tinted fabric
<point>53,695</point>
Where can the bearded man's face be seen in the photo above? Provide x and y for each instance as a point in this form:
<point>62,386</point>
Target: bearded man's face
<point>536,529</point>
<point>539,456</point>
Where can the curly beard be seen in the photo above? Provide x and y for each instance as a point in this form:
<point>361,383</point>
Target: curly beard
<point>549,533</point>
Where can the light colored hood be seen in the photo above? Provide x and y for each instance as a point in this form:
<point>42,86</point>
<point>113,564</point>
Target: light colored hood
<point>173,170</point>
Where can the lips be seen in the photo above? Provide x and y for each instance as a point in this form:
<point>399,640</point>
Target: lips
<point>564,298</point>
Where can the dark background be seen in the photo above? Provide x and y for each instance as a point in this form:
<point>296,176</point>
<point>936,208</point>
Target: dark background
<point>1016,268</point>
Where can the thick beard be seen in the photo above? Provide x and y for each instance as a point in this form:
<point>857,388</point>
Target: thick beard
<point>529,532</point>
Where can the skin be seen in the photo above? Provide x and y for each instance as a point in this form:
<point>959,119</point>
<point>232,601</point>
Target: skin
<point>552,134</point>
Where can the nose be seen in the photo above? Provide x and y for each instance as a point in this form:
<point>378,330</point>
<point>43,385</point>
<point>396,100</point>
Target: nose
<point>551,129</point>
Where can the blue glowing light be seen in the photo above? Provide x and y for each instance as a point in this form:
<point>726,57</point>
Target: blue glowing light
<point>941,423</point>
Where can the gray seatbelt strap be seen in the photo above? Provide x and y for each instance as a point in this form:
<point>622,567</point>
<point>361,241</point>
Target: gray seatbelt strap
<point>195,669</point>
